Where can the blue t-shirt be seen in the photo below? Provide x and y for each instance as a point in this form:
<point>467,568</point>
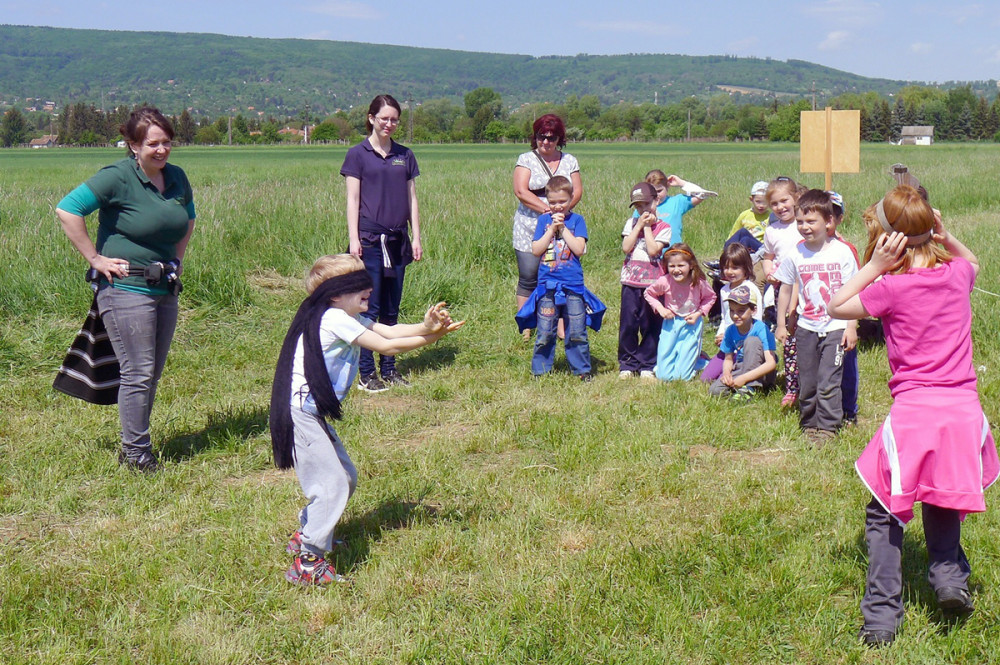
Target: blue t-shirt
<point>672,211</point>
<point>733,340</point>
<point>385,201</point>
<point>559,266</point>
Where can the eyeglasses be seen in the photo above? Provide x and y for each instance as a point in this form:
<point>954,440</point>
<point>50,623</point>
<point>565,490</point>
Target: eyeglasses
<point>387,121</point>
<point>551,138</point>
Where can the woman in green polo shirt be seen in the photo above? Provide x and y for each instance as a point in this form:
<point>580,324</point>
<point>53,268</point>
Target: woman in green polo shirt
<point>146,218</point>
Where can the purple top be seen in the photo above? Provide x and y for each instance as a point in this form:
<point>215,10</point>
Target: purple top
<point>385,203</point>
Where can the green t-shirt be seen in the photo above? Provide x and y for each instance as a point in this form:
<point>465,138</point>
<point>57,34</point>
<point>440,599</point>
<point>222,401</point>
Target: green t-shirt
<point>136,221</point>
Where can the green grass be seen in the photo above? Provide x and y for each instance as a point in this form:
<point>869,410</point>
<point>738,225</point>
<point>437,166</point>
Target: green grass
<point>497,519</point>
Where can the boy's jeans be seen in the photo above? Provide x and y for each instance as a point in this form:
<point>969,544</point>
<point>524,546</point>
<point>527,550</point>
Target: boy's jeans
<point>577,346</point>
<point>140,328</point>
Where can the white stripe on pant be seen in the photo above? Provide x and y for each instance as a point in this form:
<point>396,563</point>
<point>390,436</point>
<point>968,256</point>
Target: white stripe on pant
<point>327,476</point>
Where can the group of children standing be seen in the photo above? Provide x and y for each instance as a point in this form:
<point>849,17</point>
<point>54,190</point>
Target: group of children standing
<point>665,296</point>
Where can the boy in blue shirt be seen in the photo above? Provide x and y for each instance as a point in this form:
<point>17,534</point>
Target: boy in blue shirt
<point>749,347</point>
<point>561,239</point>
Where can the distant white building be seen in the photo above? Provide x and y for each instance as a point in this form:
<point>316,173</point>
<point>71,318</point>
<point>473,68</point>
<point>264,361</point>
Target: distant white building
<point>46,141</point>
<point>917,135</point>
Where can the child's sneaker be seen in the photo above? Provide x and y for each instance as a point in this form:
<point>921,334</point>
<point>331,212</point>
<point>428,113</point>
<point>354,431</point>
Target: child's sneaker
<point>308,569</point>
<point>372,384</point>
<point>742,394</point>
<point>647,375</point>
<point>788,400</point>
<point>394,378</point>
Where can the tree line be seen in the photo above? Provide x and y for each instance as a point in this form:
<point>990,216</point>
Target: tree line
<point>957,115</point>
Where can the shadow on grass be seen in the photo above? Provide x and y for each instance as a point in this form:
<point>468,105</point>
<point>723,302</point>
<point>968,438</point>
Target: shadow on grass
<point>361,532</point>
<point>916,589</point>
<point>433,357</point>
<point>225,430</point>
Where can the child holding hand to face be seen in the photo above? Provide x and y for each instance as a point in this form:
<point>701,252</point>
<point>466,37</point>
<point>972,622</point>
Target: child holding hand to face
<point>643,240</point>
<point>561,239</point>
<point>935,445</point>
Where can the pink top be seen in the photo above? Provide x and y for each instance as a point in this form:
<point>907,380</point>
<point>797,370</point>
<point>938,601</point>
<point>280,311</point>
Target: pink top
<point>927,318</point>
<point>681,298</point>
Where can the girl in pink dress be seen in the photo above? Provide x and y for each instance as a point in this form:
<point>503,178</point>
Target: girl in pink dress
<point>935,445</point>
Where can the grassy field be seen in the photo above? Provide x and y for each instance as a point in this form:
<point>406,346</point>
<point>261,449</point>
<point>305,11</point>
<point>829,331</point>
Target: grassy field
<point>497,519</point>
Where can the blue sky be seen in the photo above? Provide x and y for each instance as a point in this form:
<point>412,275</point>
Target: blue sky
<point>922,41</point>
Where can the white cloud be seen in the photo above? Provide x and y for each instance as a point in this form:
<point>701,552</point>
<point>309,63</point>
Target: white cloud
<point>345,9</point>
<point>835,40</point>
<point>921,48</point>
<point>630,27</point>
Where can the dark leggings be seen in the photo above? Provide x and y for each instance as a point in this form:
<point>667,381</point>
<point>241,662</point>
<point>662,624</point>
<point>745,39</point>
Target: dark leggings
<point>527,272</point>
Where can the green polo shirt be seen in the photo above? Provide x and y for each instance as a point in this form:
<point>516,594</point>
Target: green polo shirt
<point>136,221</point>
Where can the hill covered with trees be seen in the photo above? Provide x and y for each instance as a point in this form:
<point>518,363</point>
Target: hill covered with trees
<point>80,84</point>
<point>213,74</point>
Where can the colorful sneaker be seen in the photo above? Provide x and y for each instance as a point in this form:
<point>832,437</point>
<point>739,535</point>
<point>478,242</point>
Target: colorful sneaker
<point>294,545</point>
<point>742,394</point>
<point>394,378</point>
<point>788,400</point>
<point>372,384</point>
<point>586,377</point>
<point>310,569</point>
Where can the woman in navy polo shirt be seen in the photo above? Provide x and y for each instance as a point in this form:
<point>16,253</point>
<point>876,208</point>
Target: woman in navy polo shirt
<point>146,218</point>
<point>381,204</point>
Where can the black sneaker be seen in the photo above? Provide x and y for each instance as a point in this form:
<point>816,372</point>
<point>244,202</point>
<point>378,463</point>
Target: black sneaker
<point>394,378</point>
<point>372,384</point>
<point>587,377</point>
<point>143,463</point>
<point>954,599</point>
<point>875,638</point>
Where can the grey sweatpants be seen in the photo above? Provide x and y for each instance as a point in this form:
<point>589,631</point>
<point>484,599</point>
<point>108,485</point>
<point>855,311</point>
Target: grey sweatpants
<point>753,357</point>
<point>882,605</point>
<point>820,376</point>
<point>327,476</point>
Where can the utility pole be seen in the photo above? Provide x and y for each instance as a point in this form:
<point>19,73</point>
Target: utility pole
<point>814,95</point>
<point>229,132</point>
<point>409,105</point>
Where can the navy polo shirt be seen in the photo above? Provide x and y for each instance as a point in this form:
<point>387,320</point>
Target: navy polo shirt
<point>385,203</point>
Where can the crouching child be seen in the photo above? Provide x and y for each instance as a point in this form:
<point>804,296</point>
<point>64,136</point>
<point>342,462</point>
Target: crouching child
<point>316,367</point>
<point>749,347</point>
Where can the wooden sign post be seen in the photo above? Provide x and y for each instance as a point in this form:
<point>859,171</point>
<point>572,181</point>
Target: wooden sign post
<point>831,143</point>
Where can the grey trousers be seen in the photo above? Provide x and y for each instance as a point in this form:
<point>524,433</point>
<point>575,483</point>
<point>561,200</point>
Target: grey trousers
<point>327,476</point>
<point>882,605</point>
<point>820,404</point>
<point>753,357</point>
<point>140,328</point>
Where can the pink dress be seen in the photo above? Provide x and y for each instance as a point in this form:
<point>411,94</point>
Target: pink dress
<point>935,445</point>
